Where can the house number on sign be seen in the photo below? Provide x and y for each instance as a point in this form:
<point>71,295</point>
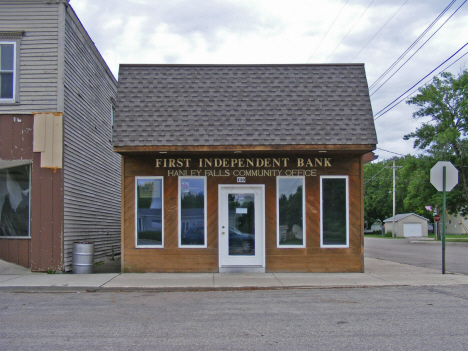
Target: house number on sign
<point>241,179</point>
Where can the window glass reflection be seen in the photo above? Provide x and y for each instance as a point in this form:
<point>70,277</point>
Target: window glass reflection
<point>334,207</point>
<point>149,212</point>
<point>241,224</point>
<point>14,201</point>
<point>192,211</point>
<point>291,211</point>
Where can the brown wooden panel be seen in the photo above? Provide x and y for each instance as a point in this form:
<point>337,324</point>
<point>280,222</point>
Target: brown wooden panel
<point>27,137</point>
<point>24,248</point>
<point>44,245</point>
<point>17,136</point>
<point>13,254</point>
<point>15,251</point>
<point>122,212</point>
<point>171,226</point>
<point>6,137</point>
<point>36,212</point>
<point>212,214</point>
<point>46,217</point>
<point>5,249</point>
<point>129,215</point>
<point>57,220</point>
<point>309,259</point>
<point>314,263</point>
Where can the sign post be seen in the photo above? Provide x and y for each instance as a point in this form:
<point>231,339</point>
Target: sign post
<point>444,177</point>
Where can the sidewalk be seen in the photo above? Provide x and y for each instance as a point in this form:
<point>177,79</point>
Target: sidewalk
<point>378,273</point>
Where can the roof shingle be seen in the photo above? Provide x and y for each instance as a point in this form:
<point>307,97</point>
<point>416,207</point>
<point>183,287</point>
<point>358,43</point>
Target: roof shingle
<point>243,105</point>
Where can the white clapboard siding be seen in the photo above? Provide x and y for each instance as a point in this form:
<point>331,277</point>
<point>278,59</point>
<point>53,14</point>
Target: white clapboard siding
<point>91,169</point>
<point>38,54</point>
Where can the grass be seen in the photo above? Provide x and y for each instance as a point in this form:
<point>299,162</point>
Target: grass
<point>380,236</point>
<point>455,238</point>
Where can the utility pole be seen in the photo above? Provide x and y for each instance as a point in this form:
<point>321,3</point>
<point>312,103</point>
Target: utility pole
<point>394,191</point>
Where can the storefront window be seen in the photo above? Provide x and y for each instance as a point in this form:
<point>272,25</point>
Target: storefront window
<point>15,201</point>
<point>192,212</point>
<point>149,212</point>
<point>290,204</point>
<point>334,219</point>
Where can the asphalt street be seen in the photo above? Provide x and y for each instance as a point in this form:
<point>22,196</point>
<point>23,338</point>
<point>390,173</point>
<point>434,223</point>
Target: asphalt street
<point>391,318</point>
<point>426,254</point>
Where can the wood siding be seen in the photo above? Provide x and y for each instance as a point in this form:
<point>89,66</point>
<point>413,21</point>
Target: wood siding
<point>38,54</point>
<point>312,258</point>
<point>91,168</point>
<point>43,250</point>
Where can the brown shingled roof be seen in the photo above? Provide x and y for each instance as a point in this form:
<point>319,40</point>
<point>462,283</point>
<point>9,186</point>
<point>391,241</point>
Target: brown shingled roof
<point>177,105</point>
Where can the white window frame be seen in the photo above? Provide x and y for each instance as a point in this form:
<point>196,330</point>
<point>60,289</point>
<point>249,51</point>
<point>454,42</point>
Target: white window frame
<point>14,71</point>
<point>204,213</point>
<point>162,212</point>
<point>29,164</point>
<point>322,245</point>
<point>303,214</point>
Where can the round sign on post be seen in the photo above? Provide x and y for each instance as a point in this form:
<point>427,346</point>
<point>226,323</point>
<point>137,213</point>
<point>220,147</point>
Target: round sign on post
<point>436,218</point>
<point>437,175</point>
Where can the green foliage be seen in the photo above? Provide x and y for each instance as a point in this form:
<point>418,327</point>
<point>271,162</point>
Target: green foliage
<point>413,188</point>
<point>144,201</point>
<point>193,201</point>
<point>291,209</point>
<point>444,135</point>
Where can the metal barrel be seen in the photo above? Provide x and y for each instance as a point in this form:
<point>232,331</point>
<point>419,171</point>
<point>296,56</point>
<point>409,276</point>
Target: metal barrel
<point>83,258</point>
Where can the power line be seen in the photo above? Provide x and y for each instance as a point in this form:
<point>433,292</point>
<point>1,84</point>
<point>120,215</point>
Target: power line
<point>376,115</point>
<point>411,93</point>
<point>419,48</point>
<point>412,45</point>
<point>379,30</point>
<point>352,29</point>
<point>339,13</point>
<point>375,175</point>
<point>396,153</point>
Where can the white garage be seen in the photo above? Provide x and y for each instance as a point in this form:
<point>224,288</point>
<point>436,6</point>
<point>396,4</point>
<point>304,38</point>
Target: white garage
<point>412,230</point>
<point>408,225</point>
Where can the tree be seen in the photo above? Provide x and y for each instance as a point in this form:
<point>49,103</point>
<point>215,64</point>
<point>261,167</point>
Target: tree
<point>413,189</point>
<point>444,136</point>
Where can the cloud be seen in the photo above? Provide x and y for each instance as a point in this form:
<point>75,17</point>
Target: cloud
<point>279,31</point>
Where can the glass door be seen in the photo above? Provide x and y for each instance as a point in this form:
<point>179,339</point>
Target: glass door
<point>241,226</point>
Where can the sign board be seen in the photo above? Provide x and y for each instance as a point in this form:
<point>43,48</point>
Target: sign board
<point>451,176</point>
<point>436,218</point>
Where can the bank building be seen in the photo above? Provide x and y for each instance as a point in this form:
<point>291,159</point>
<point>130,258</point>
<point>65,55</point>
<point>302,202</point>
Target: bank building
<point>243,168</point>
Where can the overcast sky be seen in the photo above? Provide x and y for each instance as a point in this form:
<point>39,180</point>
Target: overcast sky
<point>373,32</point>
